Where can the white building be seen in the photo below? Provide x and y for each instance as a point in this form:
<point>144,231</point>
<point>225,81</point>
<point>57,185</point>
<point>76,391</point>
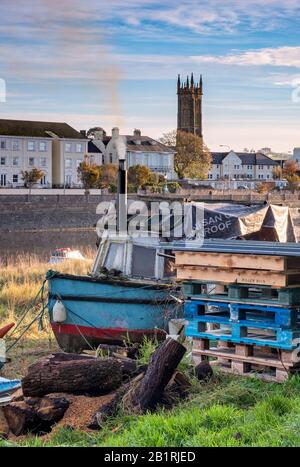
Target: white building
<point>241,166</point>
<point>54,148</point>
<point>296,155</point>
<point>141,150</point>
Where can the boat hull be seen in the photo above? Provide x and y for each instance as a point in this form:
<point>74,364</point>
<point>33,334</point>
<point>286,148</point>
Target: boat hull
<point>108,311</point>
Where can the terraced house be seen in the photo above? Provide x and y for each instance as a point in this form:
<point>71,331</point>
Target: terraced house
<point>241,166</point>
<point>55,148</point>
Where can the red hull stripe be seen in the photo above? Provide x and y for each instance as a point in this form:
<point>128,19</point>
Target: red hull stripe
<point>87,331</point>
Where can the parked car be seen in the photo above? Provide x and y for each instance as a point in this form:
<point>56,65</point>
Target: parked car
<point>63,254</point>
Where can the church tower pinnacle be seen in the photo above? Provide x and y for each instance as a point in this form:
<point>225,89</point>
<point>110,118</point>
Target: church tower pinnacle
<point>190,105</point>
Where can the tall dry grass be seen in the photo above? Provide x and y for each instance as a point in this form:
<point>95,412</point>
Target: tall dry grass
<point>22,277</point>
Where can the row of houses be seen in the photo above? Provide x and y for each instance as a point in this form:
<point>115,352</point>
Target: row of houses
<point>58,149</point>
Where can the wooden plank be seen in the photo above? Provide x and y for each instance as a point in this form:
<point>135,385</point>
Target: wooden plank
<point>226,260</point>
<point>236,276</point>
<point>229,354</point>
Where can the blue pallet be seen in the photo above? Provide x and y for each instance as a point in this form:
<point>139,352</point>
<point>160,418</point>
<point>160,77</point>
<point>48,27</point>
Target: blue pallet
<point>283,317</point>
<point>243,326</point>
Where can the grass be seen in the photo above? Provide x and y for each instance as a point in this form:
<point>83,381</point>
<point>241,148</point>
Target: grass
<point>227,411</point>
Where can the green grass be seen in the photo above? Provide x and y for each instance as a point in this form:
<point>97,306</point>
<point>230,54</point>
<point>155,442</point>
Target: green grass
<point>228,411</point>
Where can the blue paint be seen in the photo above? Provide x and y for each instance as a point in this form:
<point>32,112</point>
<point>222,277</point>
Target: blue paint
<point>90,312</point>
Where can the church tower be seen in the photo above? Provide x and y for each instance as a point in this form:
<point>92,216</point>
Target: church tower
<point>190,105</point>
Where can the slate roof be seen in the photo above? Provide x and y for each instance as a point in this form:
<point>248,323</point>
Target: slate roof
<point>247,158</point>
<point>92,148</point>
<point>147,144</point>
<point>38,129</point>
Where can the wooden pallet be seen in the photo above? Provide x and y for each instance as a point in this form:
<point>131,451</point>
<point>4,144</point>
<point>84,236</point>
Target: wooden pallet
<point>239,276</point>
<point>247,360</point>
<point>240,261</point>
<point>242,293</point>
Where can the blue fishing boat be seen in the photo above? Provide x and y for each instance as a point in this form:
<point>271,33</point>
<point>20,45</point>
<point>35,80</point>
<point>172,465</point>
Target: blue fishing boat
<point>129,294</point>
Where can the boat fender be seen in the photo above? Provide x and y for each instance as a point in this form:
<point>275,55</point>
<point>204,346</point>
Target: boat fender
<point>59,312</point>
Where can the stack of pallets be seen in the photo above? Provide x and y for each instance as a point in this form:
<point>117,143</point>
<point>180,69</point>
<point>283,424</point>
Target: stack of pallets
<point>243,310</point>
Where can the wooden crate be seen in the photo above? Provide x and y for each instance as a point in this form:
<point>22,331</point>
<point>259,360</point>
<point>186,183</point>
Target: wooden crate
<point>247,360</point>
<point>238,276</point>
<point>239,261</point>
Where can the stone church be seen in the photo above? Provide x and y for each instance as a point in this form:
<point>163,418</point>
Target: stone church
<point>190,105</point>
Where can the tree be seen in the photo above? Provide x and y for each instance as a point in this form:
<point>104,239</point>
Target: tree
<point>89,174</point>
<point>140,175</point>
<point>293,182</point>
<point>290,168</point>
<point>277,172</point>
<point>192,158</point>
<point>109,174</point>
<point>169,139</point>
<point>31,177</point>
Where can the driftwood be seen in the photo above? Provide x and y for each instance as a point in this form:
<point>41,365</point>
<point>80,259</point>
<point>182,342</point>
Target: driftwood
<point>146,390</point>
<point>4,428</point>
<point>72,374</point>
<point>145,394</point>
<point>35,415</point>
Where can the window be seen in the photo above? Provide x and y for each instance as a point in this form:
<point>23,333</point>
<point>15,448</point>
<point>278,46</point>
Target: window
<point>3,180</point>
<point>15,145</point>
<point>68,180</point>
<point>42,146</point>
<point>43,180</point>
<point>43,161</point>
<point>15,161</point>
<point>68,163</point>
<point>31,146</point>
<point>79,147</point>
<point>3,144</point>
<point>15,178</point>
<point>31,161</point>
<point>78,162</point>
<point>68,147</point>
<point>3,161</point>
<point>249,167</point>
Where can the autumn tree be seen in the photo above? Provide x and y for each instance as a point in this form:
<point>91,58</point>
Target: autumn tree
<point>290,168</point>
<point>192,158</point>
<point>89,174</point>
<point>277,172</point>
<point>140,175</point>
<point>31,177</point>
<point>293,182</point>
<point>169,139</point>
<point>109,175</point>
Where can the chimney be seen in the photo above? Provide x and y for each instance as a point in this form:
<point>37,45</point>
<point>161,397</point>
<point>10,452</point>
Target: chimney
<point>115,132</point>
<point>137,133</point>
<point>99,134</point>
<point>83,133</point>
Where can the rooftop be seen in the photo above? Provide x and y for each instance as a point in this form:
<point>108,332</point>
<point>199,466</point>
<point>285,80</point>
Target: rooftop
<point>38,129</point>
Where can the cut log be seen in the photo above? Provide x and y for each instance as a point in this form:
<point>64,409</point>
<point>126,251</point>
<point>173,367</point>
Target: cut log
<point>4,428</point>
<point>80,375</point>
<point>117,350</point>
<point>164,361</point>
<point>203,371</point>
<point>52,408</point>
<point>21,418</point>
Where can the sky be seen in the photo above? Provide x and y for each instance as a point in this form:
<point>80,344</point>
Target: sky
<point>115,63</point>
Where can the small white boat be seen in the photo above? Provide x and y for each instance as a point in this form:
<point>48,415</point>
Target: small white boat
<point>63,254</point>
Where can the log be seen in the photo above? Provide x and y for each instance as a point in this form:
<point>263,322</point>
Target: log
<point>4,428</point>
<point>117,350</point>
<point>203,371</point>
<point>21,418</point>
<point>146,393</point>
<point>80,375</point>
<point>52,408</point>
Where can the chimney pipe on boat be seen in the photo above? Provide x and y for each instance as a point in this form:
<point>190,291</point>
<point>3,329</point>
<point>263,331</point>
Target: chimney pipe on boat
<point>122,186</point>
